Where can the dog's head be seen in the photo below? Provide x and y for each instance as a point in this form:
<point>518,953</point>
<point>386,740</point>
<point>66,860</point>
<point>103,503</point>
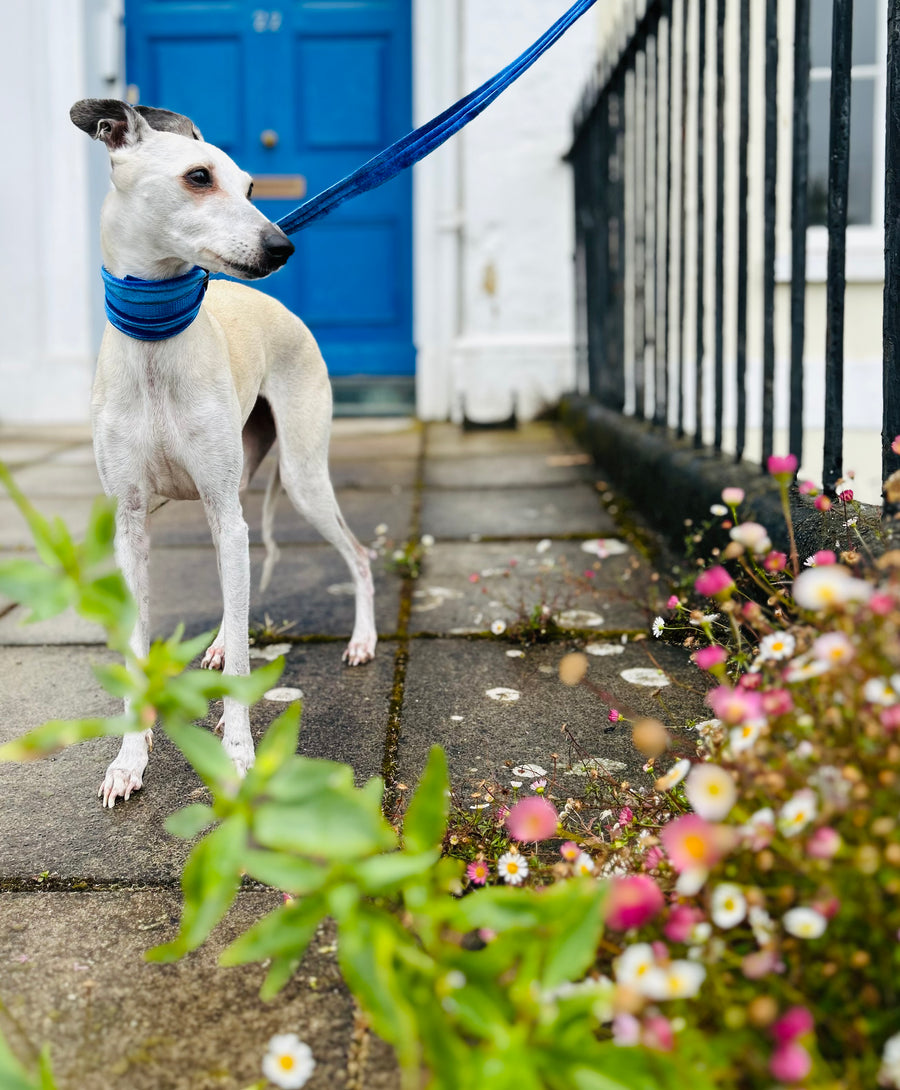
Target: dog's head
<point>176,198</point>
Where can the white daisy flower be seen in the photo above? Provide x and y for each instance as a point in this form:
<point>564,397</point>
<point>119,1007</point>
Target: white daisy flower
<point>680,979</point>
<point>659,626</point>
<point>776,646</point>
<point>584,865</point>
<point>512,868</point>
<point>834,648</point>
<point>634,963</point>
<point>752,536</point>
<point>744,737</point>
<point>889,1074</point>
<point>878,690</point>
<point>799,810</point>
<point>762,925</point>
<point>718,509</point>
<point>711,791</point>
<point>728,906</point>
<point>760,827</point>
<point>288,1061</point>
<point>804,923</point>
<point>427,540</point>
<point>543,545</point>
<point>674,776</point>
<point>498,627</point>
<point>828,587</point>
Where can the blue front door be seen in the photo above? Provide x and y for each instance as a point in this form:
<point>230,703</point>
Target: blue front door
<point>300,95</point>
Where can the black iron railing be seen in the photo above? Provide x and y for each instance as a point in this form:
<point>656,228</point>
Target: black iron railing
<point>637,133</point>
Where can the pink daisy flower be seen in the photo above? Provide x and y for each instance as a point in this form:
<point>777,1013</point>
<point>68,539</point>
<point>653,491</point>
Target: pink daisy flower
<point>532,818</point>
<point>477,872</point>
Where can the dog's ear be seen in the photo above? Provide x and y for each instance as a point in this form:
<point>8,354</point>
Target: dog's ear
<point>115,123</point>
<point>167,121</point>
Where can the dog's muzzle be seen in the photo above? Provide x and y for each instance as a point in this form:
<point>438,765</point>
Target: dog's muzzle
<point>277,248</point>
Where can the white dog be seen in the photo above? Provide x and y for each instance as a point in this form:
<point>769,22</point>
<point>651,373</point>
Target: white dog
<point>190,414</point>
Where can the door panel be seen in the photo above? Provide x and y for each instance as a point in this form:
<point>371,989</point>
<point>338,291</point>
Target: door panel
<point>309,89</point>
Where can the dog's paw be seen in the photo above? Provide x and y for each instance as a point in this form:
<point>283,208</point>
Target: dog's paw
<point>119,784</point>
<point>359,651</point>
<point>214,659</point>
<point>241,754</point>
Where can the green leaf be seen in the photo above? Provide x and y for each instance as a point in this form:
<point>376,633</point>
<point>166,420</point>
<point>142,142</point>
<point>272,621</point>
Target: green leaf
<point>12,1074</point>
<point>45,591</point>
<point>46,1072</point>
<point>59,733</point>
<point>210,881</point>
<point>39,526</point>
<point>287,873</point>
<point>426,816</point>
<point>384,874</point>
<point>117,679</point>
<point>367,952</point>
<point>100,533</point>
<point>500,908</point>
<point>190,820</point>
<point>286,932</point>
<point>106,601</point>
<point>206,755</point>
<point>302,778</point>
<point>280,972</point>
<point>277,746</point>
<point>330,825</point>
<point>577,910</point>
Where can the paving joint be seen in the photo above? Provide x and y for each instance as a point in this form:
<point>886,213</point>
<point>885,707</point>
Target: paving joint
<point>391,799</point>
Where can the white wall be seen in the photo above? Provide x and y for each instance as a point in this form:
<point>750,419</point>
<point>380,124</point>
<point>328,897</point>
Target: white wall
<point>494,212</point>
<point>46,347</point>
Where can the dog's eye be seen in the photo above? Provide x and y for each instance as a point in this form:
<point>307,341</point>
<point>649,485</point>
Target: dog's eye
<point>200,177</point>
<point>250,191</point>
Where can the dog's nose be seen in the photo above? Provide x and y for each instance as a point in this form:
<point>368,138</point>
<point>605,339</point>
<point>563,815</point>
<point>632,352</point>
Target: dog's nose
<point>277,245</point>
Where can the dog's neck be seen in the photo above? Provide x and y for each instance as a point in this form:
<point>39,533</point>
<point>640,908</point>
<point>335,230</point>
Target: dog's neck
<point>128,248</point>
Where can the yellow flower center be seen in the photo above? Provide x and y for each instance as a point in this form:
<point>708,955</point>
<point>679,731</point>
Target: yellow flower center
<point>512,868</point>
<point>695,846</point>
<point>286,1063</point>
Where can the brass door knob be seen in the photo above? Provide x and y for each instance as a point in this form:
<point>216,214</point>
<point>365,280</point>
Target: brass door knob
<point>268,138</point>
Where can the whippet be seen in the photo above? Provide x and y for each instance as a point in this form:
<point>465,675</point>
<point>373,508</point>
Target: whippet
<point>192,415</point>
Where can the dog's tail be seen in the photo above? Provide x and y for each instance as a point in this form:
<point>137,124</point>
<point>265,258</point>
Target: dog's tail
<point>273,491</point>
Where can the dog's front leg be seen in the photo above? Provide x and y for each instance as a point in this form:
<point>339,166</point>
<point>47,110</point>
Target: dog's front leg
<point>125,773</point>
<point>231,538</point>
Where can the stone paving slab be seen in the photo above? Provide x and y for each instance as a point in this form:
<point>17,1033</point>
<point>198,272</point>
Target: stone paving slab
<point>445,440</point>
<point>363,440</point>
<point>14,532</point>
<point>310,593</point>
<point>74,975</point>
<point>310,590</point>
<point>466,586</point>
<point>49,478</point>
<point>375,472</point>
<point>509,470</point>
<point>514,512</point>
<point>445,702</point>
<point>184,523</point>
<point>56,823</point>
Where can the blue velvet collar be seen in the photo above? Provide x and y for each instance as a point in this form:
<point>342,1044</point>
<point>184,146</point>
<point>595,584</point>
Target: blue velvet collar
<point>153,310</point>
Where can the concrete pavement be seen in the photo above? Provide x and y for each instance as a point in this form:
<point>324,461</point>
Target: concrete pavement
<point>516,517</point>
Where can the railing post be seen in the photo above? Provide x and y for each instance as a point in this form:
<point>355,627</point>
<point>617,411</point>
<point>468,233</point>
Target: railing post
<point>771,171</point>
<point>682,232</point>
<point>838,184</point>
<point>699,341</point>
<point>890,461</point>
<point>799,220</point>
<point>719,372</point>
<point>743,247</point>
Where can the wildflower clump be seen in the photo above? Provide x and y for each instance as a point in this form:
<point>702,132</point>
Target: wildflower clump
<point>774,959</point>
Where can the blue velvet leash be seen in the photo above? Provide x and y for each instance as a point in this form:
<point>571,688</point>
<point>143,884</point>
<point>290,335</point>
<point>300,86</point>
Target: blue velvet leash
<point>416,145</point>
<point>153,310</point>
